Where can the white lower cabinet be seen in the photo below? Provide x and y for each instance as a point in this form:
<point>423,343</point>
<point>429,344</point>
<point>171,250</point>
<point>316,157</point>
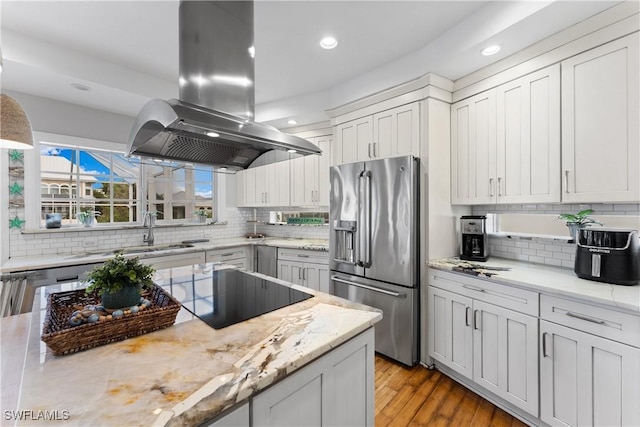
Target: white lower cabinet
<point>335,390</point>
<point>306,268</point>
<point>491,345</point>
<point>585,379</point>
<point>234,256</point>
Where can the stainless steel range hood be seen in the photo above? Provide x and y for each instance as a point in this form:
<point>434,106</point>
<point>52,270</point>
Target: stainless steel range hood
<point>212,122</point>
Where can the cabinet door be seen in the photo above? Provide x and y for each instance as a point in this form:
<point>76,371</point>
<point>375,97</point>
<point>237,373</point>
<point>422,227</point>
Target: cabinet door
<point>450,335</point>
<point>291,271</point>
<point>250,192</point>
<point>354,140</point>
<point>310,179</point>
<point>600,121</point>
<point>396,132</point>
<point>316,276</point>
<point>262,185</point>
<point>528,138</point>
<point>279,180</point>
<point>241,190</point>
<point>587,380</point>
<point>324,163</point>
<point>473,150</point>
<point>505,354</point>
<point>298,181</point>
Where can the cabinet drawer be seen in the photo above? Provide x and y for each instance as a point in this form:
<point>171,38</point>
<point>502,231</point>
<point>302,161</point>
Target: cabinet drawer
<point>317,257</point>
<point>610,324</point>
<point>228,254</point>
<point>501,295</point>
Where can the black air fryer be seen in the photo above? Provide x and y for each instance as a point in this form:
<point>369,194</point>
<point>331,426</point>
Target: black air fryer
<point>608,255</point>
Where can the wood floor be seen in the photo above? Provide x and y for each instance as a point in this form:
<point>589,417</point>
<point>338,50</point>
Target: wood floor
<point>421,397</point>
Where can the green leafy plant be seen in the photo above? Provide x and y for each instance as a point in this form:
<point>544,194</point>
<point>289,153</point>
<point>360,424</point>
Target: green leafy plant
<point>119,272</point>
<point>581,218</point>
<point>200,212</point>
<point>83,215</point>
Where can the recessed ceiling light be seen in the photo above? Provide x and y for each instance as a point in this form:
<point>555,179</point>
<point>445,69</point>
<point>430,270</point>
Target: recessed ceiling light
<point>81,87</point>
<point>292,122</point>
<point>213,134</point>
<point>292,151</point>
<point>491,50</point>
<point>328,43</point>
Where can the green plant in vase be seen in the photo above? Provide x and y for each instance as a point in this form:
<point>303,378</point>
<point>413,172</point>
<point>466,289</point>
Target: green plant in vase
<point>87,217</point>
<point>120,281</point>
<point>578,220</point>
<point>201,214</point>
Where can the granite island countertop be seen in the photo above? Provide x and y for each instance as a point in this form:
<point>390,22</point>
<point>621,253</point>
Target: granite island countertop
<point>17,264</point>
<point>182,375</point>
<point>545,279</point>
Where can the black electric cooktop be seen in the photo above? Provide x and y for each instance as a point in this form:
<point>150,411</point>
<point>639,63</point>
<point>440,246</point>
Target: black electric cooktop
<point>224,297</point>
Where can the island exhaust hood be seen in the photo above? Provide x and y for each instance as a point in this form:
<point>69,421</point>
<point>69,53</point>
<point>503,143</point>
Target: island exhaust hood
<point>212,122</point>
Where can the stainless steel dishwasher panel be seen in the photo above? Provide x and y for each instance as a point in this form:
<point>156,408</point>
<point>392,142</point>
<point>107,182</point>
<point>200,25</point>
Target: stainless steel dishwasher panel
<point>266,260</point>
<point>397,332</point>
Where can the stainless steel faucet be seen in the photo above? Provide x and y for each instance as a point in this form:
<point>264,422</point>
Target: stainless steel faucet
<point>149,219</point>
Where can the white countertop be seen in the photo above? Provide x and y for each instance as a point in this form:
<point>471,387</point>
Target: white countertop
<point>551,280</point>
<point>26,263</point>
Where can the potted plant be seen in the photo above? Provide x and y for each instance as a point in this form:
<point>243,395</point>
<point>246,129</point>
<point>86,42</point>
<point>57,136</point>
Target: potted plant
<point>201,214</point>
<point>577,221</point>
<point>87,216</point>
<point>120,281</point>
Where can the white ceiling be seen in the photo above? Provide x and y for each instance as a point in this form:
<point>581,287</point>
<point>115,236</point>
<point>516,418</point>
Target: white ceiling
<point>127,51</point>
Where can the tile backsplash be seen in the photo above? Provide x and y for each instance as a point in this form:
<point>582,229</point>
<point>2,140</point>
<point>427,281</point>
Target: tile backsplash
<point>547,251</point>
<point>38,244</point>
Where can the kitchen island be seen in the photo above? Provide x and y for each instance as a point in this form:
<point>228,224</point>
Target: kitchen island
<point>190,373</point>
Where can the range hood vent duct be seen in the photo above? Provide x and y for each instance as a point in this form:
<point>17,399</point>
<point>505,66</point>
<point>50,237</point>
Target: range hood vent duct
<point>212,122</point>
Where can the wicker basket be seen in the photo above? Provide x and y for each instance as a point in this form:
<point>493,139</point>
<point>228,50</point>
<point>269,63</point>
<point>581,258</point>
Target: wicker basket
<point>61,338</point>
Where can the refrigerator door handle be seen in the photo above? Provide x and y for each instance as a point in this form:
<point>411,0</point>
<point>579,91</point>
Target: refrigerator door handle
<point>369,288</point>
<point>365,233</point>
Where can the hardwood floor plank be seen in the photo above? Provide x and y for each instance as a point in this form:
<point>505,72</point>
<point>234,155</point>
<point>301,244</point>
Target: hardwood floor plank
<point>421,397</point>
<point>466,409</point>
<point>431,405</point>
<point>422,393</point>
<point>383,397</point>
<point>484,414</point>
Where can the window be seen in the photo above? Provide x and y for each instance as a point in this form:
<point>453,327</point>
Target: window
<point>74,178</point>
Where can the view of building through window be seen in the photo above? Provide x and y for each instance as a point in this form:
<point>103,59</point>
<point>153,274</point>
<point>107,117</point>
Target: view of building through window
<point>74,179</point>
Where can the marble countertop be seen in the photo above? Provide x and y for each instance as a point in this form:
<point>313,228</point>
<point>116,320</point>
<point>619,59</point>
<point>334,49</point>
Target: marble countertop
<point>547,279</point>
<point>182,375</point>
<point>26,263</point>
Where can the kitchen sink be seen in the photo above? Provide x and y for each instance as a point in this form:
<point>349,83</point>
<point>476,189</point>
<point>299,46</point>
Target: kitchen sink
<point>144,249</point>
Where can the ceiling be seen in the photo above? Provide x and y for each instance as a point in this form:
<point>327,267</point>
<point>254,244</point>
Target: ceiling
<point>126,52</point>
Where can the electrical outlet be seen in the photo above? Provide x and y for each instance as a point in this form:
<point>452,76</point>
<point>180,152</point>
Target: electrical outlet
<point>91,243</point>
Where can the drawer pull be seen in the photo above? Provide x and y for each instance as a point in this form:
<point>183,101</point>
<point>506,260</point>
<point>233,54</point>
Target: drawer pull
<point>66,279</point>
<point>466,316</point>
<point>473,288</point>
<point>227,254</point>
<point>303,256</point>
<point>581,317</point>
<point>475,319</point>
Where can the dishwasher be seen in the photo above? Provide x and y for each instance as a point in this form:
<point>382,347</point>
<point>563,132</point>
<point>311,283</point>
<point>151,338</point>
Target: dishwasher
<point>266,260</point>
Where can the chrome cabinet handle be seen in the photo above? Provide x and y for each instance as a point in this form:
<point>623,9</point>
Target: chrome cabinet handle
<point>369,149</point>
<point>304,274</point>
<point>466,316</point>
<point>227,254</point>
<point>473,288</point>
<point>566,181</point>
<point>303,256</point>
<point>499,186</point>
<point>66,279</point>
<point>300,273</point>
<point>581,317</point>
<point>544,344</point>
<point>491,187</point>
<point>475,320</point>
<point>374,149</point>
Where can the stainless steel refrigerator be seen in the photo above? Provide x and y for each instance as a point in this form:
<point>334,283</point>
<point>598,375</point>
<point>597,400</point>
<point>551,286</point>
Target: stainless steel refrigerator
<point>374,242</point>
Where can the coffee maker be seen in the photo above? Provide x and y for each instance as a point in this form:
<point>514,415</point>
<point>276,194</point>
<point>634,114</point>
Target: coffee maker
<point>474,245</point>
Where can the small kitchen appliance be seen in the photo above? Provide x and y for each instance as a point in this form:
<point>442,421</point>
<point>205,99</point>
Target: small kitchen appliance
<point>608,255</point>
<point>474,245</point>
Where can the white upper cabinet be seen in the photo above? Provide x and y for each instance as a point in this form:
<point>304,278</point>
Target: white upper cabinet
<point>390,133</point>
<point>264,185</point>
<point>473,149</point>
<point>310,176</point>
<point>505,142</point>
<point>600,116</point>
<point>528,138</point>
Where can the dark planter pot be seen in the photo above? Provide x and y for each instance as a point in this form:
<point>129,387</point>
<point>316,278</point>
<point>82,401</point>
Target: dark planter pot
<point>127,297</point>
